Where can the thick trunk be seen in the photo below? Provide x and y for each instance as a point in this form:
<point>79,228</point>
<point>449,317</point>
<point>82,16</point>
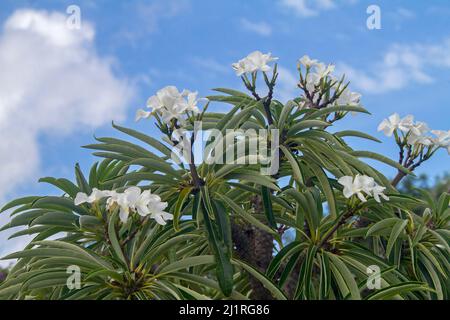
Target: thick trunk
<point>255,247</point>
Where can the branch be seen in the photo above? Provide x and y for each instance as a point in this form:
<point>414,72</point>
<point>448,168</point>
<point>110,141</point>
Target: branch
<point>341,221</point>
<point>400,175</point>
<point>131,235</point>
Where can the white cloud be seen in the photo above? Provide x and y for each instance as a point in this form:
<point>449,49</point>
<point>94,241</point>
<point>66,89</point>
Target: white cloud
<point>405,13</point>
<point>308,8</point>
<point>211,65</point>
<point>400,66</point>
<point>286,88</point>
<point>52,81</point>
<point>311,8</point>
<point>261,28</point>
<point>148,17</point>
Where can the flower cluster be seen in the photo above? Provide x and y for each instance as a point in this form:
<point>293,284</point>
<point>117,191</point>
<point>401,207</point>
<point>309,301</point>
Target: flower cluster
<point>132,199</point>
<point>255,61</point>
<point>361,184</point>
<point>171,104</point>
<point>321,87</point>
<point>414,133</point>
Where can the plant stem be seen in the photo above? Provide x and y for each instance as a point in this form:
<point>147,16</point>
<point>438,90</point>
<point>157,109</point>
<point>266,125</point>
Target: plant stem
<point>198,182</point>
<point>341,221</point>
<point>400,175</point>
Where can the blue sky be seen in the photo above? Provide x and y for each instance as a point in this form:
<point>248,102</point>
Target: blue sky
<point>61,87</point>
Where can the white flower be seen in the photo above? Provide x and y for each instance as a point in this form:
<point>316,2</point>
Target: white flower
<point>151,204</point>
<point>170,104</point>
<point>173,112</point>
<point>126,201</point>
<point>142,114</point>
<point>417,134</point>
<point>307,61</point>
<point>359,184</point>
<point>364,183</point>
<point>255,61</point>
<point>96,195</point>
<point>131,200</point>
<point>416,140</point>
<point>260,60</point>
<point>167,97</point>
<point>319,72</point>
<point>406,123</point>
<point>348,98</point>
<point>154,103</point>
<point>191,103</point>
<point>352,187</point>
<point>157,212</point>
<point>442,139</point>
<point>419,128</point>
<point>388,126</point>
<point>312,80</point>
<point>322,70</point>
<point>377,191</point>
<point>241,67</point>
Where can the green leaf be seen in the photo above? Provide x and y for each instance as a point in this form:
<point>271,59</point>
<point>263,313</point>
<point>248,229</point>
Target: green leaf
<point>346,275</point>
<point>306,124</point>
<point>56,219</point>
<point>268,210</point>
<point>326,187</point>
<point>59,203</point>
<point>18,202</point>
<point>257,179</point>
<point>343,108</point>
<point>381,158</point>
<point>159,251</point>
<point>245,215</point>
<point>144,138</point>
<point>187,263</point>
<point>112,235</point>
<point>221,249</point>
<point>380,225</point>
<point>396,230</point>
<point>440,239</point>
<point>184,194</point>
<point>75,249</point>
<point>156,165</point>
<point>397,289</point>
<point>284,115</point>
<point>353,133</point>
<point>274,290</point>
<point>297,174</point>
<point>65,185</point>
<point>283,254</point>
<point>81,180</point>
<point>233,92</point>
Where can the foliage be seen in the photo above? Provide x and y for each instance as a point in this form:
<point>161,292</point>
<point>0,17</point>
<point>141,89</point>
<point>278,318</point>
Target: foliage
<point>195,256</point>
<point>436,186</point>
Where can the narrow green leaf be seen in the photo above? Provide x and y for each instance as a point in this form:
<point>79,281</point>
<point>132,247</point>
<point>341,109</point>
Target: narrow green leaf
<point>268,210</point>
<point>396,230</point>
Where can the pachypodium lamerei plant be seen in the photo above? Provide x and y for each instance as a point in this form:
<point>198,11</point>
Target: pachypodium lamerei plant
<point>154,221</point>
